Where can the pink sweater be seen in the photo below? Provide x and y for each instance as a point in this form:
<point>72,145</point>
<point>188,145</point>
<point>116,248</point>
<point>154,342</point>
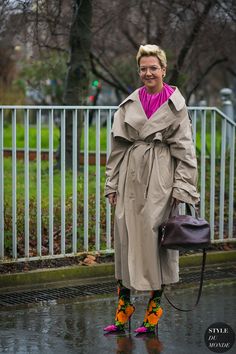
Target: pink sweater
<point>151,102</point>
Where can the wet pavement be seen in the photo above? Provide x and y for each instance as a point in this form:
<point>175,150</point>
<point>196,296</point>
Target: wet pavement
<point>76,326</point>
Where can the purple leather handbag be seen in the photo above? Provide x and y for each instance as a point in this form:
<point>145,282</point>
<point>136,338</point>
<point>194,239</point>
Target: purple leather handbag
<point>185,232</point>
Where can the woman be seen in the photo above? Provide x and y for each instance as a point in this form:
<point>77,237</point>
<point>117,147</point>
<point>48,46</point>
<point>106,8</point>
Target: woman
<point>151,166</point>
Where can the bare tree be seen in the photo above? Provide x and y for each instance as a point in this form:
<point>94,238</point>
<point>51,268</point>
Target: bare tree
<point>199,37</point>
<point>59,25</point>
<point>102,37</point>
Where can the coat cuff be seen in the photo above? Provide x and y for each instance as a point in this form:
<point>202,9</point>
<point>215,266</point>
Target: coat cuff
<point>185,193</point>
<point>109,188</point>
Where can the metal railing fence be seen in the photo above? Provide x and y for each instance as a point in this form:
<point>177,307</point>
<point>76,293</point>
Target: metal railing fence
<point>47,213</point>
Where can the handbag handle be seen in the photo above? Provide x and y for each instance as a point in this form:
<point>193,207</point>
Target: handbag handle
<point>199,289</point>
<point>188,210</point>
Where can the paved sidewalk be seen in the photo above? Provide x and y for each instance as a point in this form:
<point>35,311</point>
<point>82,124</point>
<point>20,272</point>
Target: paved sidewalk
<point>68,316</point>
<point>76,326</point>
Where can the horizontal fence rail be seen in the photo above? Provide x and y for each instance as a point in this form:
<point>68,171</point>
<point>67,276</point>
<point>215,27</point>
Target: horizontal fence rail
<point>48,210</point>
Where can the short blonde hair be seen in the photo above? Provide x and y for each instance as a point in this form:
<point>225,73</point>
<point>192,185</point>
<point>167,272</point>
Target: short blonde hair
<point>152,50</point>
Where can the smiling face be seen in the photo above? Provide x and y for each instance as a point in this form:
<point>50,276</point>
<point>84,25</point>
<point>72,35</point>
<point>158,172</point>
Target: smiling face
<point>151,73</point>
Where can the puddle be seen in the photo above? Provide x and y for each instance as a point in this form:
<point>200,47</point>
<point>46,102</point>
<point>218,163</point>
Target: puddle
<point>77,326</point>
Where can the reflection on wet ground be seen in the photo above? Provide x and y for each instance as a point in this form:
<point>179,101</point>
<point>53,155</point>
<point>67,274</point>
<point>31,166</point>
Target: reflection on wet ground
<point>77,326</point>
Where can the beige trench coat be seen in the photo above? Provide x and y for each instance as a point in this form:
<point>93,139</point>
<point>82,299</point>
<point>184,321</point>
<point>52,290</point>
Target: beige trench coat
<point>151,161</point>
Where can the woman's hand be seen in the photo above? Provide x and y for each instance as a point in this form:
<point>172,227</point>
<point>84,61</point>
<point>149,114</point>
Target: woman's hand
<point>112,198</point>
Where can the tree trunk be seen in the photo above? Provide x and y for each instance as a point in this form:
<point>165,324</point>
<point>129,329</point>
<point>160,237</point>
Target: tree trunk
<point>77,80</point>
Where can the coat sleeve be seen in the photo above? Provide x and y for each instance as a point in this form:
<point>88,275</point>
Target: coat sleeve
<point>119,147</point>
<point>182,149</point>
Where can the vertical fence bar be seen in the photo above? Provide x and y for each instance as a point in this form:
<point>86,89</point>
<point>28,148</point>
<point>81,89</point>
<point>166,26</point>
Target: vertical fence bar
<point>74,193</point>
<point>194,126</point>
<point>231,181</point>
<point>182,208</point>
<point>203,163</point>
<point>39,206</point>
<point>86,176</point>
<point>108,207</point>
<point>63,184</point>
<point>14,187</point>
<point>213,162</point>
<point>1,185</point>
<point>51,182</point>
<point>98,180</point>
<point>222,178</point>
<point>26,167</point>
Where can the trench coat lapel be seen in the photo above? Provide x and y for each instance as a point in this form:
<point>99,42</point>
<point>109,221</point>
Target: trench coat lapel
<point>135,115</point>
<point>161,119</point>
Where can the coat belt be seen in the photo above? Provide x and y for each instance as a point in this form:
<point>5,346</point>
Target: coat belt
<point>147,161</point>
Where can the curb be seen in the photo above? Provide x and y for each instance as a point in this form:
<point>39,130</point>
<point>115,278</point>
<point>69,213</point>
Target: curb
<point>212,258</point>
<point>53,275</point>
<point>77,273</point>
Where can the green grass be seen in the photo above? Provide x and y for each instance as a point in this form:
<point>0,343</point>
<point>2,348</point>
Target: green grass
<point>45,180</point>
<point>45,137</point>
<point>32,137</point>
<point>45,207</point>
<point>80,186</point>
<point>68,205</point>
<point>208,136</point>
<point>92,134</point>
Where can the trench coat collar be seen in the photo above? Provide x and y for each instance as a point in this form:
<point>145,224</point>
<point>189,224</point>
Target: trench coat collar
<point>136,117</point>
<point>176,98</point>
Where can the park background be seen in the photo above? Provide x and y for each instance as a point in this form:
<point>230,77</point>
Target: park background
<point>57,286</point>
<point>82,53</point>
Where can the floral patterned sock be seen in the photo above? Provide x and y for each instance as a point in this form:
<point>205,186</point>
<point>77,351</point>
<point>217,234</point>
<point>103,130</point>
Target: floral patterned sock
<point>156,296</point>
<point>123,291</point>
<point>154,310</point>
<point>125,308</point>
